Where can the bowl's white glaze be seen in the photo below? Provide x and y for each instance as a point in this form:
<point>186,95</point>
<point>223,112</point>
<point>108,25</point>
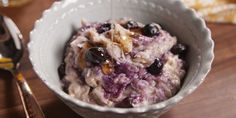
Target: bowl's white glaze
<point>57,23</point>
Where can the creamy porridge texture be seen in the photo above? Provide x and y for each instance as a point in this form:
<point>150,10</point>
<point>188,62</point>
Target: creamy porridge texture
<point>122,63</point>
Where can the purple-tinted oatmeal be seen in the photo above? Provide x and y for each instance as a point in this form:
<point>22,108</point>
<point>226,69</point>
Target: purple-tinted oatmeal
<point>122,63</point>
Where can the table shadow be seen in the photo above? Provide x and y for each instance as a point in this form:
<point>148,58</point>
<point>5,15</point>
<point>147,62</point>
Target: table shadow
<point>58,109</point>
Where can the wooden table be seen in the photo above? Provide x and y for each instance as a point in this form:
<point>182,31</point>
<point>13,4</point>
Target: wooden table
<point>215,98</point>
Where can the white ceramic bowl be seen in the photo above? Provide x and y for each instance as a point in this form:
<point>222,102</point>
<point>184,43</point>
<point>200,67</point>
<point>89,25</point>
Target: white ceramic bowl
<point>57,23</point>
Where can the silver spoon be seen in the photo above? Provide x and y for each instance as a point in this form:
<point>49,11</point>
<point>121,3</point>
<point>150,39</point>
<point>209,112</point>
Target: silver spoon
<point>11,51</point>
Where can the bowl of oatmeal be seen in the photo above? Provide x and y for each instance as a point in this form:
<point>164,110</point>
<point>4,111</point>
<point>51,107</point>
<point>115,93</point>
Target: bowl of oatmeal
<point>134,59</point>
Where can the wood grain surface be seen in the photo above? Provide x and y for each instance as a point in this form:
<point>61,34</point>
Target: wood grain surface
<point>215,98</point>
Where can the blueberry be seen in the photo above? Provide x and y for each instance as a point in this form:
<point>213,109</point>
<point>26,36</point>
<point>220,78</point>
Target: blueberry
<point>151,30</point>
<point>65,85</point>
<point>96,55</point>
<point>104,27</point>
<point>131,25</point>
<point>125,103</point>
<point>61,70</point>
<point>155,68</point>
<point>179,49</point>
